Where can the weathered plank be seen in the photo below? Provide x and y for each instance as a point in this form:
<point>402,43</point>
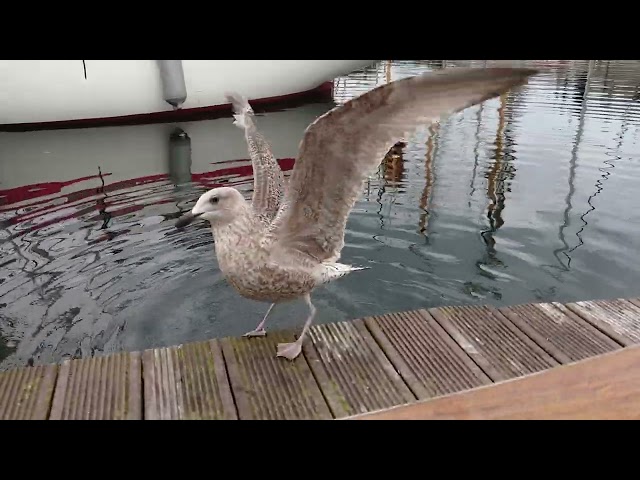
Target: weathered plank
<point>429,361</point>
<point>495,343</point>
<point>617,318</point>
<point>100,388</point>
<point>605,387</point>
<point>635,301</point>
<point>352,371</point>
<point>346,367</point>
<point>187,382</point>
<point>26,393</point>
<point>562,334</point>
<point>269,387</point>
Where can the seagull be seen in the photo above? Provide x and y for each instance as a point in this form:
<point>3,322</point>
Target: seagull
<point>288,240</point>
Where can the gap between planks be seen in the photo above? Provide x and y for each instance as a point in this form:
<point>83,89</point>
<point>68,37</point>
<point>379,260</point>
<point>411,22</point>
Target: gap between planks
<point>382,348</point>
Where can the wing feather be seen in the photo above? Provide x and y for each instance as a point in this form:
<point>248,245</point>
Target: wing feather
<point>268,179</point>
<point>342,147</point>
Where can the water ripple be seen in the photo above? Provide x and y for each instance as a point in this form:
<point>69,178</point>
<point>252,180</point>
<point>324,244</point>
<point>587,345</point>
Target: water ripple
<point>527,197</point>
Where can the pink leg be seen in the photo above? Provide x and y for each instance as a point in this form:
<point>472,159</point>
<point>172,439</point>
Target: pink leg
<point>259,330</point>
<point>292,350</point>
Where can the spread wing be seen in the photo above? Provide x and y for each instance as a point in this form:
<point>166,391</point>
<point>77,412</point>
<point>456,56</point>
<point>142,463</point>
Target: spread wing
<point>342,147</point>
<point>268,180</point>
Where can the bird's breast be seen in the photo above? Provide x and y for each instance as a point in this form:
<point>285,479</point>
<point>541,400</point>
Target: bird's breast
<point>245,262</point>
<point>266,282</point>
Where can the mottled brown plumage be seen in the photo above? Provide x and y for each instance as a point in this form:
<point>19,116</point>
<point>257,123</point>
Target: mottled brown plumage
<point>288,240</point>
<point>267,176</point>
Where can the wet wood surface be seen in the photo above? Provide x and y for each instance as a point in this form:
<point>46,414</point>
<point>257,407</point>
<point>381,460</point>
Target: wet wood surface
<point>598,388</point>
<point>357,367</point>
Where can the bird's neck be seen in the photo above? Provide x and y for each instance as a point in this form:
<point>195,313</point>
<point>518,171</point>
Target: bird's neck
<point>233,240</point>
<point>238,231</point>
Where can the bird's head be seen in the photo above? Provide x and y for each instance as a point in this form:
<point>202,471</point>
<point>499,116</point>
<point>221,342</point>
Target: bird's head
<point>218,206</point>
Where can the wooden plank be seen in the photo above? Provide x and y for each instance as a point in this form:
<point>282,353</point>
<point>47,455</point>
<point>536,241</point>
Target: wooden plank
<point>430,362</point>
<point>269,387</point>
<point>99,388</point>
<point>187,382</point>
<point>26,393</point>
<point>564,336</point>
<point>345,368</point>
<point>496,344</point>
<point>607,331</point>
<point>606,387</point>
<point>617,318</point>
<point>353,372</point>
<point>635,301</point>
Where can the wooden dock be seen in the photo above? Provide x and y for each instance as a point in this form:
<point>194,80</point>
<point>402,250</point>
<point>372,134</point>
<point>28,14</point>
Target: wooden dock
<point>604,387</point>
<point>348,369</point>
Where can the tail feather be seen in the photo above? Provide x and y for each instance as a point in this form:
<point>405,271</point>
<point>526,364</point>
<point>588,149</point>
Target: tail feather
<point>333,271</point>
<point>241,109</point>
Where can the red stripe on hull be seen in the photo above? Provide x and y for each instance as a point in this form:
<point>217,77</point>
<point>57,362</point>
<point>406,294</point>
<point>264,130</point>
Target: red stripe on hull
<point>320,93</point>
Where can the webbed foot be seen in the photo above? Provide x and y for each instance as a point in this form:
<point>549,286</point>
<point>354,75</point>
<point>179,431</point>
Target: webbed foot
<point>289,350</point>
<point>258,332</point>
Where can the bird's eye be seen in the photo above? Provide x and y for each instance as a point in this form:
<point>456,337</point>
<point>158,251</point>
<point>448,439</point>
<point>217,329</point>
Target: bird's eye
<point>214,200</point>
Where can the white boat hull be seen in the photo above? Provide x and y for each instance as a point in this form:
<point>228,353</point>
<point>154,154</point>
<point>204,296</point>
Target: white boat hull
<point>123,169</point>
<point>45,91</point>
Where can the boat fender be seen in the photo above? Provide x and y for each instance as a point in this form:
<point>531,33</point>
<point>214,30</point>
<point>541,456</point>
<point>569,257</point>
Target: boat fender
<point>174,89</point>
<point>179,157</point>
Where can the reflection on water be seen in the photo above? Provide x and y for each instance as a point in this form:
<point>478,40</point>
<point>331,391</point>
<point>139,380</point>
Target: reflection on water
<point>527,197</point>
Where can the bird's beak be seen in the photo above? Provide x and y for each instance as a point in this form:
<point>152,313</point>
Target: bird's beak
<point>186,219</point>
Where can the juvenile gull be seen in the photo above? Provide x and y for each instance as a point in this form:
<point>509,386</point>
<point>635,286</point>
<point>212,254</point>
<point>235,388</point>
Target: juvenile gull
<point>288,240</point>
